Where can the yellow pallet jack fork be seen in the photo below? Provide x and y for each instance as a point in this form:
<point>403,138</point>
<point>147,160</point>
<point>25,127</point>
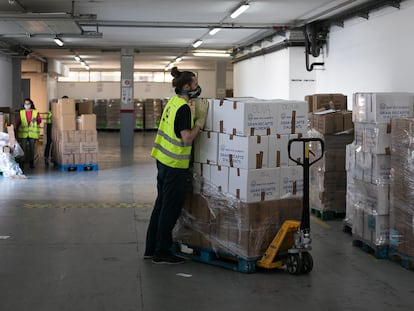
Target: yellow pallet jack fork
<point>292,243</point>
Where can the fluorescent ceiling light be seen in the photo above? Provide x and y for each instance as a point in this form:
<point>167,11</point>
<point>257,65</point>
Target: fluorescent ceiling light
<point>58,41</point>
<point>178,59</point>
<point>197,43</point>
<point>214,31</point>
<point>77,58</point>
<point>240,10</point>
<point>83,63</point>
<point>87,67</point>
<point>211,54</point>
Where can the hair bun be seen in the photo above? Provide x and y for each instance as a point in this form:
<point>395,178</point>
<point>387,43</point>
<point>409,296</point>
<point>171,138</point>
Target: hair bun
<point>175,72</point>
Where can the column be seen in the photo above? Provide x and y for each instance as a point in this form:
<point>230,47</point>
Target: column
<point>127,112</point>
<point>221,79</point>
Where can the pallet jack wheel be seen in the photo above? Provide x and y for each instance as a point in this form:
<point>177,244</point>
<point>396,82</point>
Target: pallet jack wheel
<point>307,262</point>
<point>294,264</point>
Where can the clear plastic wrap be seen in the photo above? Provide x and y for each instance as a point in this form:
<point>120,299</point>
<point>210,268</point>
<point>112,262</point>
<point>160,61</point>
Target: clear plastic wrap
<point>402,186</point>
<point>8,165</point>
<point>220,222</point>
<point>328,176</point>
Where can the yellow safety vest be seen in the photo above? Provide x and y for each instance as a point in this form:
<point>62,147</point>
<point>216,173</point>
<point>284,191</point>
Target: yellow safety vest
<point>26,130</point>
<point>49,117</point>
<point>168,148</point>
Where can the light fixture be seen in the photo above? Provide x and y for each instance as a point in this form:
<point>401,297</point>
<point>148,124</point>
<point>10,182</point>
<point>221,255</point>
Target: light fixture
<point>197,43</point>
<point>87,67</point>
<point>243,7</point>
<point>58,41</point>
<point>178,59</point>
<point>83,63</point>
<point>77,58</point>
<point>213,31</point>
<point>212,54</point>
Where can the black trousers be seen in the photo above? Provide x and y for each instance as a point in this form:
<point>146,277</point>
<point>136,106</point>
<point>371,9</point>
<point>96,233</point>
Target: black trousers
<point>48,140</point>
<point>171,187</point>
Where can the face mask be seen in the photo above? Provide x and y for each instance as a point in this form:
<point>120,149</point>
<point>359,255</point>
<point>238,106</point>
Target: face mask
<point>27,107</point>
<point>194,93</point>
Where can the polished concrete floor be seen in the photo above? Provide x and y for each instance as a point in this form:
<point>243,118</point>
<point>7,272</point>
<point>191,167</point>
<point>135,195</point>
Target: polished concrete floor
<point>75,241</point>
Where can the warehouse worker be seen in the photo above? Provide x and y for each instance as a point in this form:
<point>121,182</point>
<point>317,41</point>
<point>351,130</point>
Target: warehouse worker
<point>48,136</point>
<point>172,151</point>
<point>28,129</point>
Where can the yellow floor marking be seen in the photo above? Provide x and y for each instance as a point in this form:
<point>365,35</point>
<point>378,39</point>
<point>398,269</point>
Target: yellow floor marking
<point>87,205</point>
<point>320,222</point>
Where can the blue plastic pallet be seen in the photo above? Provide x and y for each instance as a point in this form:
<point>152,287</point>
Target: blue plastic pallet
<point>218,259</point>
<point>77,167</point>
<point>405,261</point>
<point>379,251</point>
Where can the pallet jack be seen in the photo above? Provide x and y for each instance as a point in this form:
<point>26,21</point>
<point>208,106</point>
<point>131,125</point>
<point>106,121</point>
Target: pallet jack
<point>292,243</point>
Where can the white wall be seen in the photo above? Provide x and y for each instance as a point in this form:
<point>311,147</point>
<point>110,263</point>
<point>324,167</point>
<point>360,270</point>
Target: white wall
<point>106,90</point>
<point>375,55</point>
<point>5,81</point>
<point>281,74</point>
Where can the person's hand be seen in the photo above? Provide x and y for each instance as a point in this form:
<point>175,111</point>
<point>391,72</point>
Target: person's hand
<point>201,110</point>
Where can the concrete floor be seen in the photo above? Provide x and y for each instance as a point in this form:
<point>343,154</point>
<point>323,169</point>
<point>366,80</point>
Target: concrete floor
<point>77,240</point>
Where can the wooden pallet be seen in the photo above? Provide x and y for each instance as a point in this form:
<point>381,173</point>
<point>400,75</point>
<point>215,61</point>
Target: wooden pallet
<point>327,215</point>
<point>218,259</point>
<point>379,251</point>
<point>77,167</point>
<point>403,260</point>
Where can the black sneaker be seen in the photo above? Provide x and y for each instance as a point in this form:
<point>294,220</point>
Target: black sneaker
<point>167,260</point>
<point>146,256</point>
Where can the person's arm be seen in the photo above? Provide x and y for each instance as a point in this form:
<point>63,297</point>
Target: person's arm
<point>188,136</point>
<point>38,119</point>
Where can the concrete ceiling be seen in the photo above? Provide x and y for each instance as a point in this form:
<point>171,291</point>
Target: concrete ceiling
<point>157,30</point>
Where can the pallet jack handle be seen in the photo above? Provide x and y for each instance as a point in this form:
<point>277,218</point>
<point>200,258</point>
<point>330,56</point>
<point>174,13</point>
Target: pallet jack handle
<point>306,164</point>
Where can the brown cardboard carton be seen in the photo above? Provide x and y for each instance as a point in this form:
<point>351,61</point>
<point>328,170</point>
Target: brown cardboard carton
<point>85,107</point>
<point>65,122</point>
<point>86,122</point>
<point>63,106</point>
<point>309,100</point>
<point>329,101</point>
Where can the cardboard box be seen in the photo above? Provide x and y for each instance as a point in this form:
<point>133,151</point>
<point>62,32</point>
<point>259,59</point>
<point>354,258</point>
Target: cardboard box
<point>86,122</point>
<point>243,152</point>
<point>254,185</point>
<point>278,150</point>
<point>89,147</point>
<point>329,101</point>
<point>220,177</point>
<point>66,122</point>
<point>84,107</point>
<point>68,148</point>
<point>329,123</point>
<point>245,117</point>
<point>381,169</point>
<point>292,117</point>
<point>206,147</point>
<point>309,100</point>
<point>348,124</point>
<point>382,107</point>
<point>376,228</point>
<point>202,170</point>
<point>208,126</point>
<point>91,158</point>
<point>377,138</point>
<point>291,181</point>
<point>374,199</point>
<point>63,106</point>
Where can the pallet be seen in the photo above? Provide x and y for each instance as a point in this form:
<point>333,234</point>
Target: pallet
<point>77,167</point>
<point>327,215</point>
<point>218,259</point>
<point>404,261</point>
<point>379,251</point>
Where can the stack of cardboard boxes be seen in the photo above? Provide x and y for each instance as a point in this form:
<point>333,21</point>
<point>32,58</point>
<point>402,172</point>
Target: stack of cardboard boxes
<point>369,163</point>
<point>331,122</point>
<point>139,114</point>
<point>100,111</point>
<point>74,137</point>
<point>153,111</point>
<point>402,187</point>
<point>245,186</point>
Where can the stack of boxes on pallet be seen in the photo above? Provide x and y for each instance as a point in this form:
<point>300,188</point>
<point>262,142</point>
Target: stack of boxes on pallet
<point>74,137</point>
<point>245,186</point>
<point>100,111</point>
<point>139,114</point>
<point>331,122</point>
<point>402,189</point>
<point>369,163</point>
<point>153,111</point>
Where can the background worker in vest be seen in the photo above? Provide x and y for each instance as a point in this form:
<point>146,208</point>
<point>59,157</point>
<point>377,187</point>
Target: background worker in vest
<point>172,151</point>
<point>48,129</point>
<point>28,129</point>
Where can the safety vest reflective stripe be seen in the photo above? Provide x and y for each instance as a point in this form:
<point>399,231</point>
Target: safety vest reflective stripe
<point>172,141</point>
<point>172,155</point>
<point>26,130</point>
